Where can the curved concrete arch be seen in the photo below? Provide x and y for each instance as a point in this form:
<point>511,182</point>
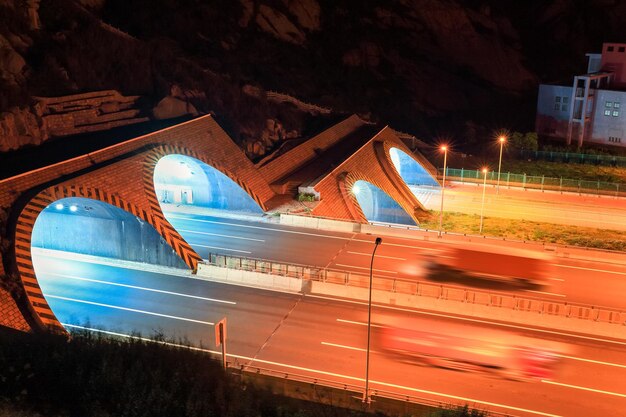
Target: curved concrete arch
<point>40,309</point>
<point>153,157</point>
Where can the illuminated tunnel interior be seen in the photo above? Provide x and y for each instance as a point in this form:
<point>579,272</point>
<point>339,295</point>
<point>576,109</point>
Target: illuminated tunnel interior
<point>80,247</point>
<point>181,181</point>
<point>377,206</point>
<point>414,175</point>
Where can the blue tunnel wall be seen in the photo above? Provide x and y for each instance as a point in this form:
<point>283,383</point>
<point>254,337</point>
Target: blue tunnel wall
<point>377,206</point>
<point>411,171</point>
<point>184,180</point>
<point>91,227</point>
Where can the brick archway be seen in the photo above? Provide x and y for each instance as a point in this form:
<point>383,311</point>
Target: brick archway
<point>23,237</point>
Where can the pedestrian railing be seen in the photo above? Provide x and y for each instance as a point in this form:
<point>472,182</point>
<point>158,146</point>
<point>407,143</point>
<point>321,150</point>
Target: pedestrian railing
<point>542,183</point>
<point>422,289</point>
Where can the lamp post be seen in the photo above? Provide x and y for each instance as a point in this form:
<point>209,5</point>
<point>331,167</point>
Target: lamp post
<point>366,393</point>
<point>501,139</point>
<point>443,186</point>
<point>482,208</point>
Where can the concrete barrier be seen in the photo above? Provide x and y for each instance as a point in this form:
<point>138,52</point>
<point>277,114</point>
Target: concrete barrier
<point>251,279</point>
<point>319,223</point>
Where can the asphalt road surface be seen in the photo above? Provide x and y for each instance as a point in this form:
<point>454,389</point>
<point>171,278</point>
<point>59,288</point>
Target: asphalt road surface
<point>326,337</point>
<point>596,282</point>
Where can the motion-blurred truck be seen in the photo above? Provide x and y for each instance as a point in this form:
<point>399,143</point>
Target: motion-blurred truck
<point>521,267</point>
<point>503,353</point>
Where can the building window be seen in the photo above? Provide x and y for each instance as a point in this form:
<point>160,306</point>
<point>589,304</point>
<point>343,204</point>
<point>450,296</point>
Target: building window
<point>607,112</point>
<point>565,100</point>
<point>608,104</point>
<point>557,106</point>
<point>615,139</point>
<point>616,105</point>
<point>621,49</point>
<point>564,107</point>
<point>557,99</point>
<point>609,49</point>
<point>615,113</point>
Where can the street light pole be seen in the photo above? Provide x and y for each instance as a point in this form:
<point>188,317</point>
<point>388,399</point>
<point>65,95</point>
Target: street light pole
<point>443,187</point>
<point>366,393</point>
<point>482,208</point>
<point>501,139</point>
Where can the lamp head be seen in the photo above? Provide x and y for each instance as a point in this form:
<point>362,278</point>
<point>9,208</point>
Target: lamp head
<point>444,148</point>
<point>378,241</point>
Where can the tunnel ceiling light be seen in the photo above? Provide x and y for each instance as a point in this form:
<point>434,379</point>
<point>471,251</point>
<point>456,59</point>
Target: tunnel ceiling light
<point>73,208</point>
<point>356,189</point>
<point>58,206</point>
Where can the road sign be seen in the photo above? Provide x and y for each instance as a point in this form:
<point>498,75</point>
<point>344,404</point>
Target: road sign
<point>220,332</point>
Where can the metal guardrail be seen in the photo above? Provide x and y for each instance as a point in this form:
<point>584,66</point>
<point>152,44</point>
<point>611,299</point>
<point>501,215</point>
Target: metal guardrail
<point>423,289</point>
<point>357,389</point>
<point>542,183</point>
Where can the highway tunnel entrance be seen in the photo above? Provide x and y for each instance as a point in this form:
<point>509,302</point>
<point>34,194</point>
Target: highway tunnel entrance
<point>80,246</point>
<point>421,182</point>
<point>377,206</point>
<point>183,181</point>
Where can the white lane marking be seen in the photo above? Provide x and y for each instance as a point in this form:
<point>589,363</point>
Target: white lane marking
<point>304,233</point>
<point>376,256</point>
<point>343,346</point>
<point>262,228</point>
<point>591,269</point>
<point>218,248</point>
<point>220,235</point>
<point>491,323</point>
<point>141,288</point>
<point>547,293</point>
<point>364,267</point>
<point>129,309</point>
<point>316,371</point>
<point>616,394</point>
<point>617,365</point>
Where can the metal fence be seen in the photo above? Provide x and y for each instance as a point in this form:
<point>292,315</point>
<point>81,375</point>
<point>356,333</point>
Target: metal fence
<point>542,183</point>
<point>423,289</point>
<point>580,158</point>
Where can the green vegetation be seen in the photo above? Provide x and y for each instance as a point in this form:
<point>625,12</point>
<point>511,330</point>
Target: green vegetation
<point>89,375</point>
<point>527,141</point>
<point>306,197</point>
<point>529,231</point>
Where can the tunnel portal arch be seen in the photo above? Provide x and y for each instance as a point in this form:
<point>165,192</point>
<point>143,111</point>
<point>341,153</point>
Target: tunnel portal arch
<point>25,227</point>
<point>378,206</point>
<point>185,180</point>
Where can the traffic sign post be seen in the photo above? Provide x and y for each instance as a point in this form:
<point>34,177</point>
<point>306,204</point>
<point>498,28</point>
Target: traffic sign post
<point>220,338</point>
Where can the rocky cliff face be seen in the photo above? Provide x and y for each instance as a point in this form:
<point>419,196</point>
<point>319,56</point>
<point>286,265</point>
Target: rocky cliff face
<point>427,67</point>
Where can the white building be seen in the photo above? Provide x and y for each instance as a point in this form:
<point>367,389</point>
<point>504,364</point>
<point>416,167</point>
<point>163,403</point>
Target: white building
<point>591,110</point>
